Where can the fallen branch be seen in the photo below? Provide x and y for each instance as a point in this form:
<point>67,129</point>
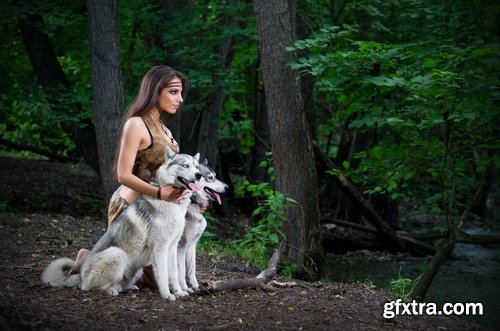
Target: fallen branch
<point>243,283</point>
<point>462,237</point>
<point>418,246</point>
<point>385,232</point>
<point>478,239</point>
<point>369,240</point>
<point>37,150</point>
<point>348,224</point>
<point>283,284</point>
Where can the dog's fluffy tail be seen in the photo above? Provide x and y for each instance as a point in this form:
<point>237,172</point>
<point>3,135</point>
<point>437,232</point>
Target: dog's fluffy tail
<point>56,273</point>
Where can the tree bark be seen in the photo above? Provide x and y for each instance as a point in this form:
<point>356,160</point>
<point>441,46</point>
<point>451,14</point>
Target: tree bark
<point>52,78</point>
<point>262,133</point>
<point>293,155</point>
<point>106,84</point>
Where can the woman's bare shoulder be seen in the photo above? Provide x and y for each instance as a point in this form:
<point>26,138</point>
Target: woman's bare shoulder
<point>135,124</point>
<point>135,120</point>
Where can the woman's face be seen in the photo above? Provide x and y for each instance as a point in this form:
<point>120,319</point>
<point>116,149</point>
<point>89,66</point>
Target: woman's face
<point>170,98</point>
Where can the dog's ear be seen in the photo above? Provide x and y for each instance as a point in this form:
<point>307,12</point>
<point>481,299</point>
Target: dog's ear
<point>169,153</point>
<point>197,157</point>
<point>205,162</point>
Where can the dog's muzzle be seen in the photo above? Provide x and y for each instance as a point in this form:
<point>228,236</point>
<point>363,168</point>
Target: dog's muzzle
<point>190,185</point>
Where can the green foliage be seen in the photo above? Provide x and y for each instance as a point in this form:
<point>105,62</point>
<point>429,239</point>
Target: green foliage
<point>32,122</point>
<point>368,283</point>
<point>257,244</point>
<point>188,37</point>
<point>430,99</point>
<point>402,288</point>
<point>214,248</point>
<point>420,77</point>
<point>26,111</point>
<point>259,241</point>
<point>289,269</point>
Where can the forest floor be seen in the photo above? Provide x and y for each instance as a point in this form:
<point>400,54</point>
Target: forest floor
<point>52,209</point>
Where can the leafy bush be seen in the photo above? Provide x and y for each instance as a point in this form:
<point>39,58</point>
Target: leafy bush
<point>402,288</point>
<point>429,101</point>
<point>259,241</point>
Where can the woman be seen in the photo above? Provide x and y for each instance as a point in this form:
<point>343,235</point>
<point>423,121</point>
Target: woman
<point>144,138</point>
<point>141,150</point>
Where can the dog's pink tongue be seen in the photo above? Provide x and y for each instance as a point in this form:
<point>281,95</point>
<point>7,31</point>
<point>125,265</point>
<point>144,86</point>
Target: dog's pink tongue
<point>218,198</point>
<point>194,186</point>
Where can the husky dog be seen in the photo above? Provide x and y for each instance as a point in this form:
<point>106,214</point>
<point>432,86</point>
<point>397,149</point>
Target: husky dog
<point>210,188</point>
<point>146,232</point>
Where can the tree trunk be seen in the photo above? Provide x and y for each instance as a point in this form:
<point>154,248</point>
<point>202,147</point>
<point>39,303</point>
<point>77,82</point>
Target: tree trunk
<point>54,81</point>
<point>262,145</point>
<point>106,84</point>
<point>293,155</point>
<point>447,247</point>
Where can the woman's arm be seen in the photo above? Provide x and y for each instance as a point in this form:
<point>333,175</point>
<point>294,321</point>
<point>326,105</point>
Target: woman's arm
<point>135,137</point>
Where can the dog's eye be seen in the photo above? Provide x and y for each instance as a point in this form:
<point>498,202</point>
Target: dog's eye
<point>211,177</point>
<point>185,165</point>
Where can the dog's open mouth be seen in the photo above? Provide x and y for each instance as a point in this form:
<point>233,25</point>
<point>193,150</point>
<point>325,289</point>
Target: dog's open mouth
<point>190,185</point>
<point>213,195</point>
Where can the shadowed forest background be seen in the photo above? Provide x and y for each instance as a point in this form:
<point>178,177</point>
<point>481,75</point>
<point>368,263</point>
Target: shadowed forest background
<point>348,131</point>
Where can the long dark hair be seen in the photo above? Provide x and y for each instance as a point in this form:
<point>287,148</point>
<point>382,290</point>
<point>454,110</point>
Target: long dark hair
<point>155,80</point>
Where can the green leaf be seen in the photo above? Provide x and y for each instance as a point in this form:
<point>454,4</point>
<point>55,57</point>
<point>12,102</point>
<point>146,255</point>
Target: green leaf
<point>479,52</point>
<point>386,81</point>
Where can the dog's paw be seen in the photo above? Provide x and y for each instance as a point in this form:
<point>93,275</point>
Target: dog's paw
<point>195,289</point>
<point>181,293</point>
<point>190,290</point>
<point>167,296</point>
<point>111,291</point>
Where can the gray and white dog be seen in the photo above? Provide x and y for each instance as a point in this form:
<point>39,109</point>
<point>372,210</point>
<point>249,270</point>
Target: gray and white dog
<point>210,189</point>
<point>146,232</point>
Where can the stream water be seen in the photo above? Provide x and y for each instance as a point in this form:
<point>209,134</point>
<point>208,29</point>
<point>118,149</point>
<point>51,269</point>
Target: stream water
<point>472,275</point>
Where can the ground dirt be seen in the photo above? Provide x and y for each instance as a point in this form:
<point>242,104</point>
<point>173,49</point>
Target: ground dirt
<point>52,209</point>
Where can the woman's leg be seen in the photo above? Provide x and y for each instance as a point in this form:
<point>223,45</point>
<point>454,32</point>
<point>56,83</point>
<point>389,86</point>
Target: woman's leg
<point>116,205</point>
<point>148,279</point>
<point>80,257</point>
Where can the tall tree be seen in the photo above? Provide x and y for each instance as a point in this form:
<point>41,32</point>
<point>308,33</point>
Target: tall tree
<point>52,78</point>
<point>291,145</point>
<point>106,84</point>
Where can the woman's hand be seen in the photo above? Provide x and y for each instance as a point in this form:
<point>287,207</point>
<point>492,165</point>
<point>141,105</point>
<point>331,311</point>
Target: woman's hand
<point>173,194</point>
